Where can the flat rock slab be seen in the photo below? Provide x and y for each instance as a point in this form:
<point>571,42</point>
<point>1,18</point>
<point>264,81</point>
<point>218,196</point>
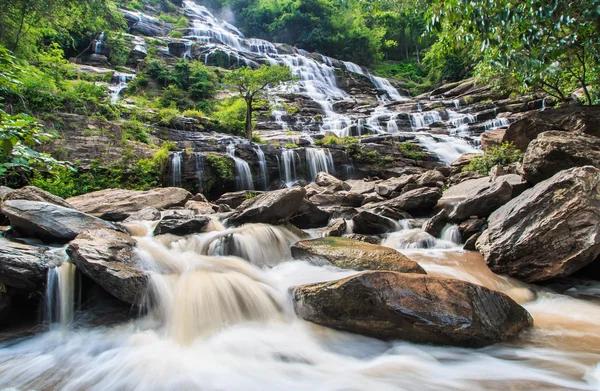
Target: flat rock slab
<point>354,254</point>
<point>413,307</point>
<point>23,266</point>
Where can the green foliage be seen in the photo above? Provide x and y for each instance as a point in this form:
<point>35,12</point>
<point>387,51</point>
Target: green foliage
<point>176,34</point>
<point>502,155</point>
<point>194,114</point>
<point>167,116</point>
<point>290,145</point>
<point>334,140</point>
<point>119,50</point>
<point>222,169</point>
<point>250,195</point>
<point>230,115</point>
<point>135,130</point>
<point>410,150</point>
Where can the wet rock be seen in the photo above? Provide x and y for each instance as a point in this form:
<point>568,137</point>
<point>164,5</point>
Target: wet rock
<point>470,227</point>
<point>146,214</point>
<point>363,238</point>
<point>125,202</point>
<point>549,231</point>
<point>352,254</point>
<point>471,242</point>
<point>585,119</point>
<point>49,222</point>
<point>199,197</point>
<point>310,216</point>
<point>201,208</point>
<point>23,266</point>
<point>417,308</point>
<point>436,224</point>
<point>32,193</point>
<point>181,226</point>
<point>555,151</point>
<point>338,199</point>
<point>270,208</point>
<point>109,258</point>
<point>237,198</point>
<point>224,208</point>
<point>336,228</point>
<point>483,203</point>
<point>372,224</point>
<point>419,201</point>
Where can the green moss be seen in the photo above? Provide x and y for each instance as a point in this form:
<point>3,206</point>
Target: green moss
<point>410,151</point>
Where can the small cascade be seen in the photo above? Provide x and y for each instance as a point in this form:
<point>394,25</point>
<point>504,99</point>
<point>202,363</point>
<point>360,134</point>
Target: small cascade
<point>187,53</point>
<point>290,159</point>
<point>447,148</point>
<point>60,290</point>
<point>384,85</point>
<point>200,160</point>
<point>496,123</point>
<point>392,126</point>
<point>118,84</point>
<point>352,67</point>
<point>422,120</point>
<point>175,168</point>
<point>262,167</point>
<point>243,175</point>
<point>317,160</point>
<point>451,234</point>
<point>99,44</point>
<point>409,238</point>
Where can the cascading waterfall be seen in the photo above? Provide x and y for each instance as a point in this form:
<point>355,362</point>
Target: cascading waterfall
<point>496,123</point>
<point>262,168</point>
<point>200,160</point>
<point>319,160</point>
<point>447,148</point>
<point>287,166</point>
<point>60,290</point>
<point>243,175</point>
<point>384,85</point>
<point>176,172</point>
<point>118,84</point>
<point>99,44</point>
<point>422,120</point>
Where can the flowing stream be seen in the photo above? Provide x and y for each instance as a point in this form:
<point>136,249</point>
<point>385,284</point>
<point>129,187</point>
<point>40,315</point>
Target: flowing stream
<point>219,319</point>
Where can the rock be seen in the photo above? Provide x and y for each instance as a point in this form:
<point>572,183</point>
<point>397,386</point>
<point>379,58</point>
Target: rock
<point>146,214</point>
<point>362,186</point>
<point>108,258</point>
<point>483,203</point>
<point>4,190</point>
<point>49,222</point>
<point>431,178</point>
<point>224,208</point>
<point>463,161</point>
<point>235,199</point>
<point>32,193</point>
<point>201,208</point>
<point>472,187</point>
<point>310,216</point>
<point>363,238</point>
<point>327,180</point>
<point>372,224</point>
<point>419,201</point>
<point>270,208</point>
<point>338,199</point>
<point>181,226</point>
<point>470,227</point>
<point>413,307</point>
<point>585,119</point>
<point>555,151</point>
<point>492,138</point>
<point>436,224</point>
<point>199,197</point>
<point>23,266</point>
<point>470,244</point>
<point>352,254</point>
<point>336,228</point>
<point>549,231</point>
<point>126,202</point>
<point>387,187</point>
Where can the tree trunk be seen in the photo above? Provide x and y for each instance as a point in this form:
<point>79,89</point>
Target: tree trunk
<point>249,118</point>
<point>22,23</point>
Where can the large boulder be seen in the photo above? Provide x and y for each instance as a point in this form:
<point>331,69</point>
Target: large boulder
<point>336,228</point>
<point>372,224</point>
<point>270,208</point>
<point>436,224</point>
<point>327,180</point>
<point>23,266</point>
<point>125,202</point>
<point>146,214</point>
<point>32,193</point>
<point>49,222</point>
<point>483,203</point>
<point>549,231</point>
<point>576,118</point>
<point>389,186</point>
<point>418,201</point>
<point>555,151</point>
<point>236,198</point>
<point>413,307</point>
<point>109,258</point>
<point>310,216</point>
<point>353,254</point>
<point>181,225</point>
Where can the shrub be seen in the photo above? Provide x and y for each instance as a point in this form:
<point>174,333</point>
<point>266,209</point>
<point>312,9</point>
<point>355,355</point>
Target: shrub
<point>410,150</point>
<point>167,116</point>
<point>194,114</point>
<point>135,130</point>
<point>502,155</point>
<point>230,115</point>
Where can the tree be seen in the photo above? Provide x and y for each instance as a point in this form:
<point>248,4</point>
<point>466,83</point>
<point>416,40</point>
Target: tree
<point>252,84</point>
<point>549,45</point>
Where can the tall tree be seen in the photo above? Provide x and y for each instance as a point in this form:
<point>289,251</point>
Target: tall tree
<point>252,85</point>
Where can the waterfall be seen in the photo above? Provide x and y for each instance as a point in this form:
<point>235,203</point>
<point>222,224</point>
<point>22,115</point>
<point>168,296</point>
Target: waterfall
<point>243,175</point>
<point>352,67</point>
<point>176,169</point>
<point>319,160</point>
<point>451,234</point>
<point>384,85</point>
<point>422,120</point>
<point>289,160</point>
<point>447,148</point>
<point>60,290</point>
<point>118,84</point>
<point>200,159</point>
<point>495,123</point>
<point>99,44</point>
<point>392,126</point>
<point>262,167</point>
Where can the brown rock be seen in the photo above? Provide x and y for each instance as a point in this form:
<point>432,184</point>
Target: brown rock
<point>271,208</point>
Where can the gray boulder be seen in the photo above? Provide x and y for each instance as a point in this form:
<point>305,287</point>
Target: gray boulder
<point>181,226</point>
<point>372,224</point>
<point>23,266</point>
<point>270,208</point>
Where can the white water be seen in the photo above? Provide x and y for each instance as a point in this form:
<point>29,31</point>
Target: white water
<point>60,290</point>
<point>496,123</point>
<point>221,323</point>
<point>422,120</point>
<point>176,169</point>
<point>243,175</point>
<point>287,166</point>
<point>317,160</point>
<point>447,148</point>
<point>262,167</point>
<point>200,159</point>
<point>118,84</point>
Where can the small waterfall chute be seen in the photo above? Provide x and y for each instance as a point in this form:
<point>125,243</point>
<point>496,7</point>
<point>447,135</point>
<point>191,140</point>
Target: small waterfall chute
<point>243,175</point>
<point>176,169</point>
<point>317,160</point>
